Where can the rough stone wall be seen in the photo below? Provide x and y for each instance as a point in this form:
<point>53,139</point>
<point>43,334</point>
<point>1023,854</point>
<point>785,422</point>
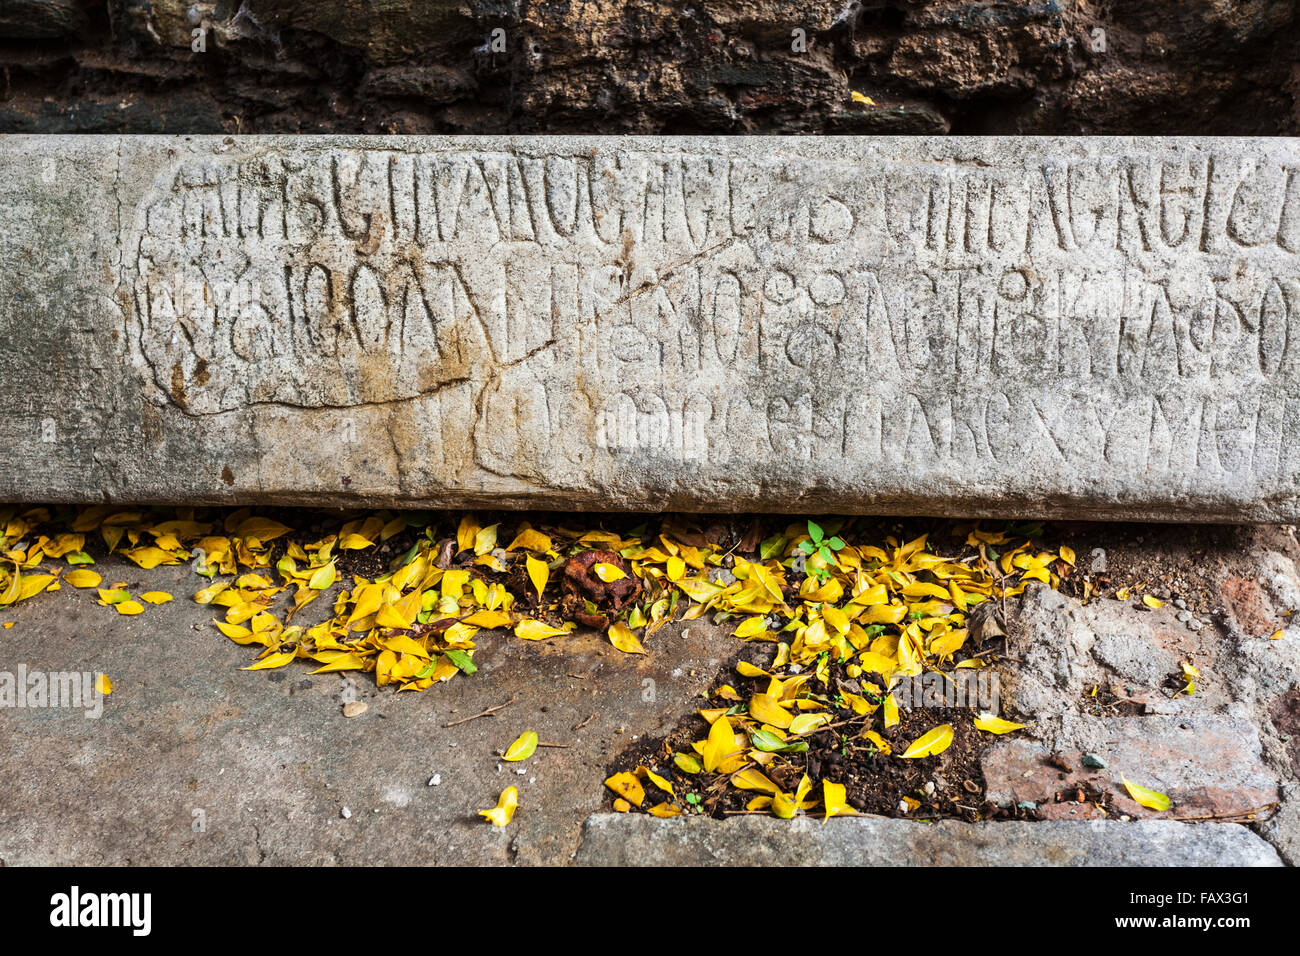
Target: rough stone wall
<point>929,66</point>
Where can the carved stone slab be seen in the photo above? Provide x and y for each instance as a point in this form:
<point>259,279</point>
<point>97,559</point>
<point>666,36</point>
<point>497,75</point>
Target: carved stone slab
<point>1086,327</point>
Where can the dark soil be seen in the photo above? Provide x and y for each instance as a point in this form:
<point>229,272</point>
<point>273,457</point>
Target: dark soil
<point>875,783</point>
<point>1169,561</point>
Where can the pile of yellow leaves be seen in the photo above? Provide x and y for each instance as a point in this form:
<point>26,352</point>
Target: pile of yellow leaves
<point>883,611</point>
<point>898,608</point>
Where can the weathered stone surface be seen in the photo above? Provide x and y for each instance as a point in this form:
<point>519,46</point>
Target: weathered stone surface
<point>1209,765</point>
<point>613,839</point>
<point>1099,327</point>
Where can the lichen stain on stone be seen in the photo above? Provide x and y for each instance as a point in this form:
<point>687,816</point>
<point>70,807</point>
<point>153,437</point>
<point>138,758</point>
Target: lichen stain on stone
<point>227,475</point>
<point>178,385</point>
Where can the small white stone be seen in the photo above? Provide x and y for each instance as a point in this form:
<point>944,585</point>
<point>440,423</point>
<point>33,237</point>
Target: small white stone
<point>347,814</point>
<point>435,780</point>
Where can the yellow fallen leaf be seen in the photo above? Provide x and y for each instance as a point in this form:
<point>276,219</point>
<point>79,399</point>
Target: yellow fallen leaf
<point>156,597</point>
<point>664,809</point>
<point>129,607</point>
<point>627,786</point>
<point>488,619</point>
<point>485,539</point>
<point>833,800</point>
<point>1151,799</point>
<point>687,763</point>
<point>272,661</point>
<point>103,685</point>
<point>523,747</point>
<point>806,723</point>
<point>236,632</point>
<point>538,573</point>
<point>928,744</point>
<point>355,542</point>
<point>504,811</point>
<point>621,636</point>
<point>1277,635</point>
<point>466,533</point>
<point>531,630</point>
<point>660,782</point>
<point>530,540</point>
<point>608,572</point>
<point>150,557</point>
<point>996,725</point>
<point>322,577</point>
<point>862,98</point>
<point>1151,601</point>
<point>764,708</point>
<point>890,707</point>
<point>83,578</point>
<point>263,529</point>
<point>720,744</point>
<point>880,742</point>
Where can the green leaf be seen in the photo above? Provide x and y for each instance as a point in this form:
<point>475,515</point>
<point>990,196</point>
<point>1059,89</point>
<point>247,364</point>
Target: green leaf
<point>807,547</point>
<point>772,744</point>
<point>772,546</point>
<point>836,543</point>
<point>462,660</point>
<point>79,557</point>
<point>428,668</point>
<point>815,531</point>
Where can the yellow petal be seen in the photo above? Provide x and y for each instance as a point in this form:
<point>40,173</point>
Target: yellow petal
<point>103,685</point>
<point>504,811</point>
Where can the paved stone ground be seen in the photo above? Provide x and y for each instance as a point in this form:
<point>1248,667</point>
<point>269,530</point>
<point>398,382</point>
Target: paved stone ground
<point>267,762</point>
